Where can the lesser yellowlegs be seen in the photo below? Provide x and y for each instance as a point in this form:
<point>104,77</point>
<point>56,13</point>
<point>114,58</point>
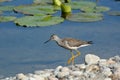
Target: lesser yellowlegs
<point>70,44</point>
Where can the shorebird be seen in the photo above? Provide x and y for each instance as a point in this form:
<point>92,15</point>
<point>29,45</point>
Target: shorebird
<point>70,44</point>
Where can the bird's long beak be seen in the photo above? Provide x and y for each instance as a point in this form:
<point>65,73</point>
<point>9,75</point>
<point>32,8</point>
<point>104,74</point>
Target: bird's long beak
<point>47,41</point>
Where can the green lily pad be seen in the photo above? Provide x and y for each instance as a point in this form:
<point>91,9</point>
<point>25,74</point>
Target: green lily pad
<point>4,0</point>
<point>114,13</point>
<point>85,17</point>
<point>7,18</point>
<point>95,9</point>
<point>41,1</point>
<point>35,9</point>
<point>0,12</point>
<point>33,21</point>
<point>6,8</point>
<point>80,4</point>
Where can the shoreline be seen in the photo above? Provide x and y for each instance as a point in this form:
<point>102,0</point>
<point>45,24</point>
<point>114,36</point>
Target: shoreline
<point>94,68</point>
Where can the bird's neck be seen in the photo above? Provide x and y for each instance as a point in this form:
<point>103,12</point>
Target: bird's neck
<point>58,40</point>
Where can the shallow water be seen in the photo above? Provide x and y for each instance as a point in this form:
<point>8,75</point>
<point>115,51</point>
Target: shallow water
<point>22,49</point>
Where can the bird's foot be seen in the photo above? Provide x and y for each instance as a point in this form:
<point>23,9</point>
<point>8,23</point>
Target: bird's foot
<point>71,60</point>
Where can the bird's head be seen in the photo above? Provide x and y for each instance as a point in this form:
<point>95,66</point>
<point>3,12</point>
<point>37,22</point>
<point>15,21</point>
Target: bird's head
<point>53,37</point>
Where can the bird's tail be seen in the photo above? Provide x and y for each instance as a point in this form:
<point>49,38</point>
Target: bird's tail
<point>90,42</point>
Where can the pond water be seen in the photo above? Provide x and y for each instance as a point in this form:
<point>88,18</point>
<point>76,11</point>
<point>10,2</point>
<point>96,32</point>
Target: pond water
<point>23,49</point>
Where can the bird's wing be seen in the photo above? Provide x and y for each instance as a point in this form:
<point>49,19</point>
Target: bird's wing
<point>73,42</point>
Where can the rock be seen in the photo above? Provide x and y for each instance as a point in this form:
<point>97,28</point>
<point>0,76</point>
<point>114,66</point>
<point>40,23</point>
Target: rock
<point>36,77</point>
<point>91,59</point>
<point>31,78</point>
<point>52,78</point>
<point>65,69</point>
<point>21,76</point>
<point>62,74</point>
<point>57,70</point>
<point>107,79</point>
<point>103,62</point>
<point>76,73</point>
<point>92,68</point>
<point>107,72</point>
<point>82,66</point>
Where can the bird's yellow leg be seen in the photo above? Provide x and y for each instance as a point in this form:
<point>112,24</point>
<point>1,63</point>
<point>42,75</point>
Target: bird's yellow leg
<point>71,59</point>
<point>78,53</point>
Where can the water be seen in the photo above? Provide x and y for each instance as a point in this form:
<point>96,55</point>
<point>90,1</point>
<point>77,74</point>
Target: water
<point>22,49</point>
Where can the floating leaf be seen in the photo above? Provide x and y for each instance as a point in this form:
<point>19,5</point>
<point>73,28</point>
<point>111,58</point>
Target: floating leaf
<point>80,4</point>
<point>35,9</point>
<point>4,0</point>
<point>114,13</point>
<point>41,1</point>
<point>7,18</point>
<point>95,9</point>
<point>6,8</point>
<point>85,17</point>
<point>33,21</point>
<point>0,12</point>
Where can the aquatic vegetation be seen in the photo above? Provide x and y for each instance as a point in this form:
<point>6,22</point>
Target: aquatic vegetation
<point>6,8</point>
<point>35,9</point>
<point>114,13</point>
<point>4,0</point>
<point>33,21</point>
<point>7,18</point>
<point>81,4</point>
<point>40,13</point>
<point>41,1</point>
<point>96,9</point>
<point>85,17</point>
<point>0,12</point>
<point>57,2</point>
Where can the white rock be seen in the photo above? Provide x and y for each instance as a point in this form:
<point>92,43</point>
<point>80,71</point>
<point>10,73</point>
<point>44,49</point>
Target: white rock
<point>77,73</point>
<point>31,78</point>
<point>21,76</point>
<point>92,68</point>
<point>57,70</point>
<point>52,78</point>
<point>103,62</point>
<point>107,79</point>
<point>62,74</point>
<point>91,59</point>
<point>82,66</point>
<point>107,72</point>
<point>36,77</point>
<point>65,69</point>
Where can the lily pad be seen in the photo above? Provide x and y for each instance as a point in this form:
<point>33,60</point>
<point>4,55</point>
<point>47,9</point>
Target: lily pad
<point>0,12</point>
<point>80,4</point>
<point>114,13</point>
<point>6,8</point>
<point>95,9</point>
<point>85,17</point>
<point>4,0</point>
<point>33,21</point>
<point>7,18</point>
<point>35,9</point>
<point>41,1</point>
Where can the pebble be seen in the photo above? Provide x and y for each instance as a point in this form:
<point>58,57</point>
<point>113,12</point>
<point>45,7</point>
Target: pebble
<point>77,73</point>
<point>108,79</point>
<point>21,76</point>
<point>91,59</point>
<point>94,69</point>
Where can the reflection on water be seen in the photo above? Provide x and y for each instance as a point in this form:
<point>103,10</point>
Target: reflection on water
<point>22,49</point>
